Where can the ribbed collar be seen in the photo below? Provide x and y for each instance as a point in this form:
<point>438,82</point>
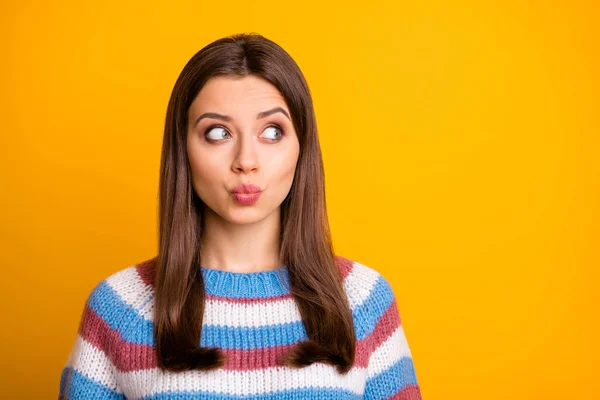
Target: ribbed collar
<point>260,284</point>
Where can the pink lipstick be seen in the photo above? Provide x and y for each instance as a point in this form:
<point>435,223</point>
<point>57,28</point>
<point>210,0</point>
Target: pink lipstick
<point>246,194</point>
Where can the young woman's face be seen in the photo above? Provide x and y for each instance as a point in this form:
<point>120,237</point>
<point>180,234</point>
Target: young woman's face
<point>229,142</point>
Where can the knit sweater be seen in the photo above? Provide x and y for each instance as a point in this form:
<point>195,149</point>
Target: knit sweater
<point>253,318</point>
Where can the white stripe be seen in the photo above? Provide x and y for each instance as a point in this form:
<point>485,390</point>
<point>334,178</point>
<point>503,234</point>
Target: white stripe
<point>133,291</point>
<point>93,363</point>
<point>389,352</point>
<point>359,283</point>
<point>239,383</point>
<point>220,312</point>
<point>75,350</point>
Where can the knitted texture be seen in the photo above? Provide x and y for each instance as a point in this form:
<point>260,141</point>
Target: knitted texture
<point>253,318</point>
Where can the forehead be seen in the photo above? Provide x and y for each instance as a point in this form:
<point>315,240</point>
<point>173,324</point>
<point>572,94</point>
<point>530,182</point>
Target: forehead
<point>237,94</point>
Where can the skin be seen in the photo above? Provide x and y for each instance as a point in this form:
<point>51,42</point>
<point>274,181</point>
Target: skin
<point>241,238</point>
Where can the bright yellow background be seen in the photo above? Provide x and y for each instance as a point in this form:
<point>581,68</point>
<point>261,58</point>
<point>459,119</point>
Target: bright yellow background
<point>461,147</point>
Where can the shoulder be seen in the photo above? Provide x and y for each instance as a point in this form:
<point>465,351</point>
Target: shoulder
<point>372,301</point>
<point>126,289</point>
<point>365,286</point>
<point>117,312</point>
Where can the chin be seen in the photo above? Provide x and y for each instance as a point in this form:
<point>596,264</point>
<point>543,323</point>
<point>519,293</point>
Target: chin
<point>245,215</point>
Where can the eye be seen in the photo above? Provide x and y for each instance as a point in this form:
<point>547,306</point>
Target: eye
<point>220,133</point>
<point>274,130</point>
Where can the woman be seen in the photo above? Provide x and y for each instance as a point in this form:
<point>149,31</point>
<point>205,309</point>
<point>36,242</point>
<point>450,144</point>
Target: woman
<point>245,297</point>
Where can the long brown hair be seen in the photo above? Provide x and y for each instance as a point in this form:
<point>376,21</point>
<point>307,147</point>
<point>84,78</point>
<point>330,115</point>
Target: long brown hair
<point>306,247</point>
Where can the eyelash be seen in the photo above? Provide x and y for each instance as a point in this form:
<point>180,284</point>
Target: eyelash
<point>221,126</point>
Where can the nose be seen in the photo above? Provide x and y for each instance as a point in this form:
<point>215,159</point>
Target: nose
<point>246,158</point>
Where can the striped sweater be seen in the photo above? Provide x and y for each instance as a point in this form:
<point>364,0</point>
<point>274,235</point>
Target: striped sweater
<point>253,318</point>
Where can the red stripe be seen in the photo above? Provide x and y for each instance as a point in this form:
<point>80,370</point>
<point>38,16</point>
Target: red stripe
<point>410,392</point>
<point>248,301</point>
<point>124,355</point>
<point>344,264</point>
<point>253,359</point>
<point>387,323</point>
<point>384,328</point>
<point>145,270</point>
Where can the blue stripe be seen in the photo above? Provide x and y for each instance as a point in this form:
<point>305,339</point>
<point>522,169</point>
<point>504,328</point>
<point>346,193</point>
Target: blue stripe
<point>82,388</point>
<point>392,380</point>
<point>247,338</point>
<point>120,316</point>
<point>372,309</point>
<point>250,285</point>
<point>318,393</point>
<point>63,381</point>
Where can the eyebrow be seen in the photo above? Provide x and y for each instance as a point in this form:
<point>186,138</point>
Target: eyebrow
<point>228,118</point>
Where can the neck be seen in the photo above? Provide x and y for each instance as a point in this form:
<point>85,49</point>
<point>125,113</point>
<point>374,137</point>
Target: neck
<point>235,247</point>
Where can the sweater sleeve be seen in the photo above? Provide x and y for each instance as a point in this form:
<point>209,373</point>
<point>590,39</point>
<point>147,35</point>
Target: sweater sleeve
<point>89,372</point>
<point>390,370</point>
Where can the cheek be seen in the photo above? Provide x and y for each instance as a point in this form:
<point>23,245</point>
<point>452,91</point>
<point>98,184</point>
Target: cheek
<point>288,169</point>
<point>284,169</point>
<point>205,172</point>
